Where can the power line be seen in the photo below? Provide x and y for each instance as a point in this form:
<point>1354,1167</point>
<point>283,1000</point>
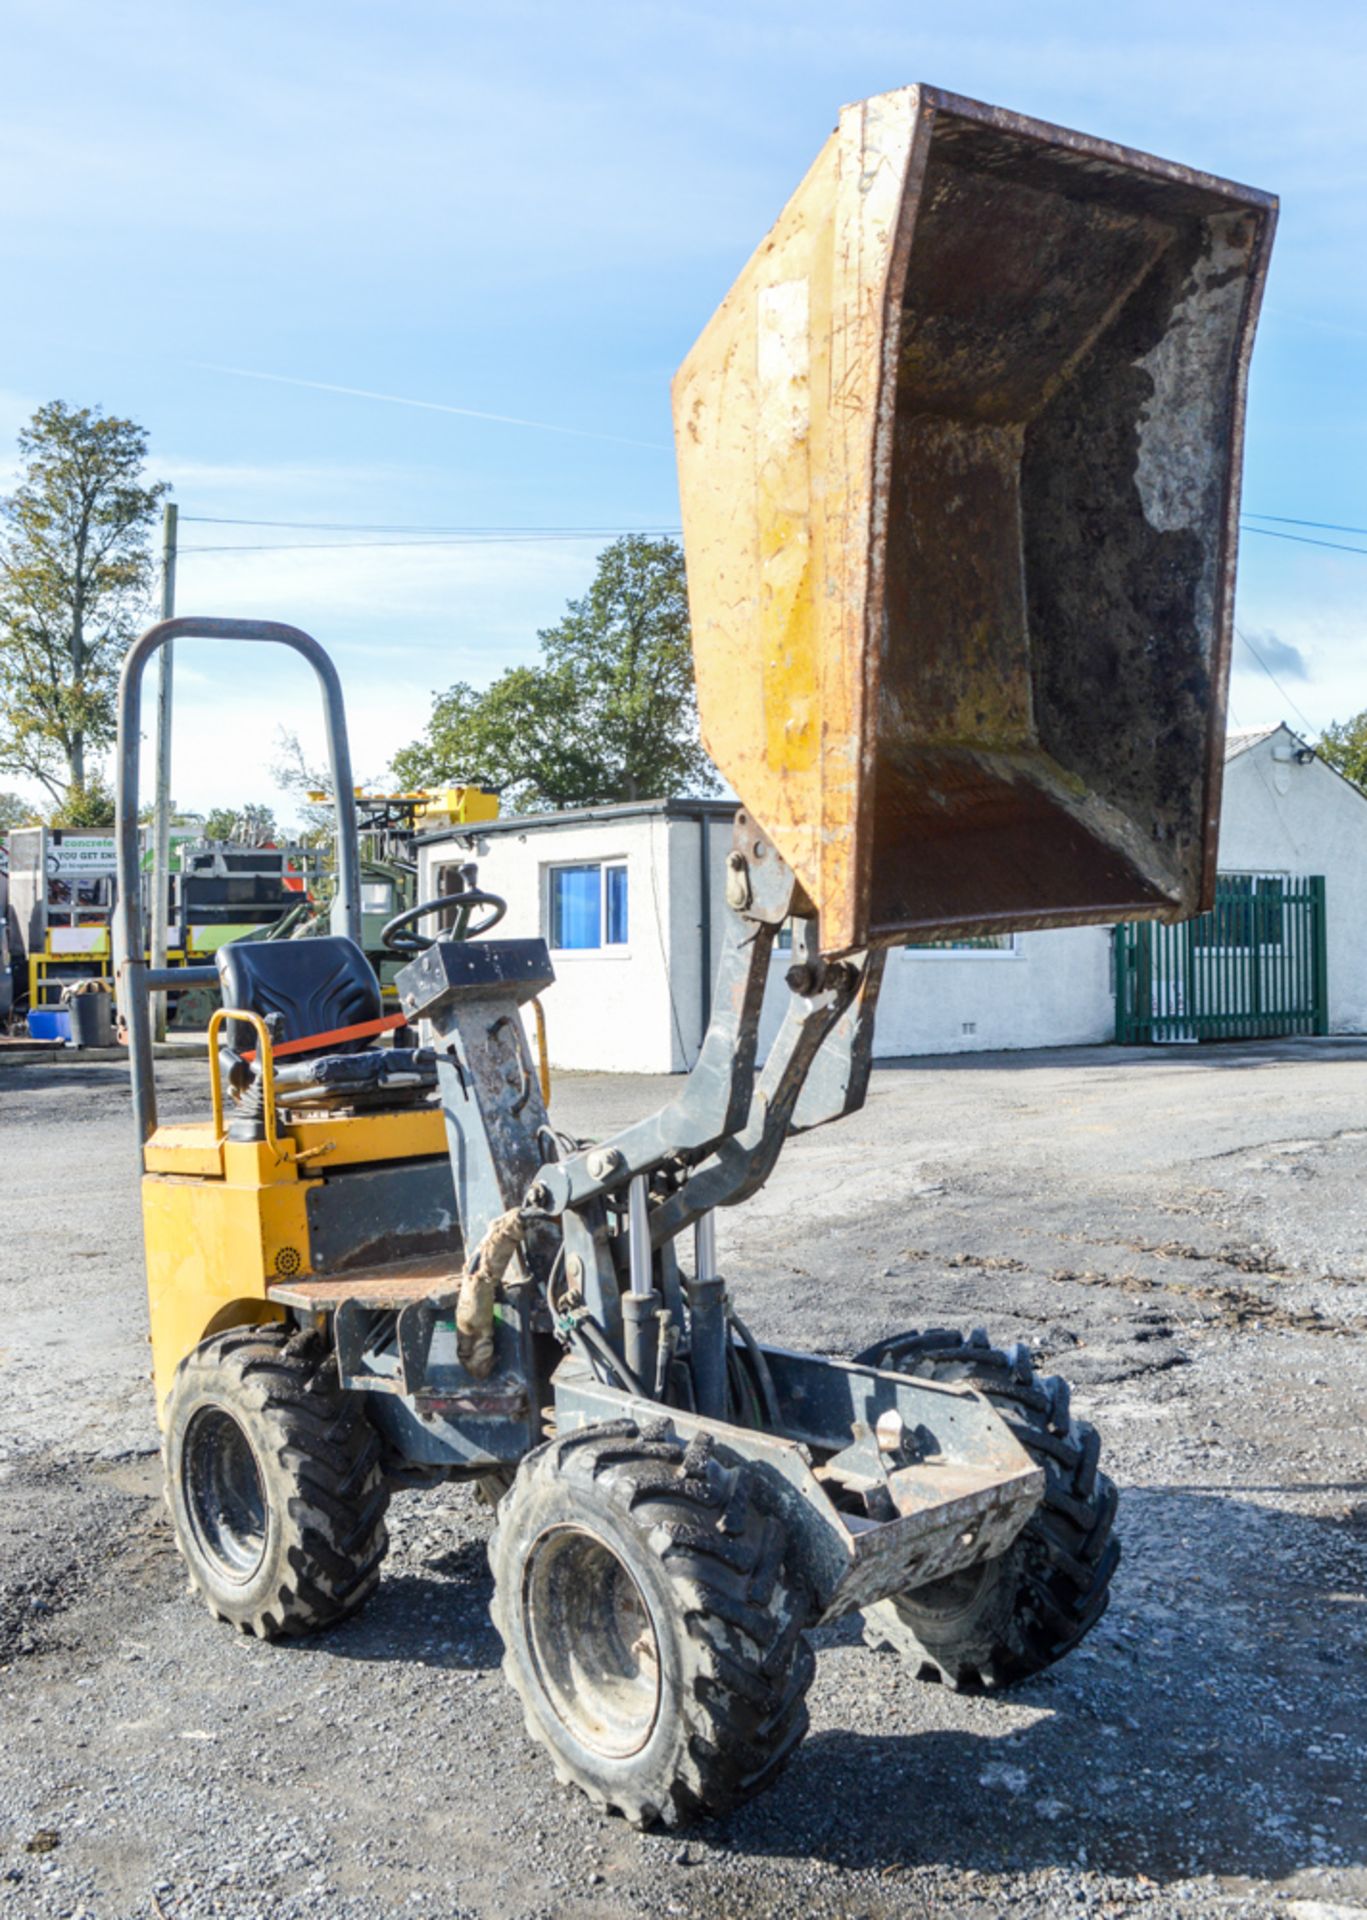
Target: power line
<point>577,532</point>
<point>1285,520</point>
<point>342,546</point>
<point>1303,539</point>
<point>381,526</point>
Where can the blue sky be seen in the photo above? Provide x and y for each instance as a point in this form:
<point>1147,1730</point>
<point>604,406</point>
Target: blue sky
<point>530,211</point>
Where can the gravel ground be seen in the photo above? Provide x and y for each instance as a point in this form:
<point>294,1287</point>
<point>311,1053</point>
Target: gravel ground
<point>1182,1233</point>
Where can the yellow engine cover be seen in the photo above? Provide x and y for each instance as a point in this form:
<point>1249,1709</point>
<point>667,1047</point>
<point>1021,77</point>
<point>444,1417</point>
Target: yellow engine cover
<point>213,1248</point>
<point>224,1220</point>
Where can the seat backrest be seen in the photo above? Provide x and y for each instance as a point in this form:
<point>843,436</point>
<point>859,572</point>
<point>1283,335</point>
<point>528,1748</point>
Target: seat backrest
<point>314,985</point>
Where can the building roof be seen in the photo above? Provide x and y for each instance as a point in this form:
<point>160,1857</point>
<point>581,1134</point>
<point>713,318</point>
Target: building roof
<point>1239,742</point>
<point>1239,739</point>
<point>673,809</point>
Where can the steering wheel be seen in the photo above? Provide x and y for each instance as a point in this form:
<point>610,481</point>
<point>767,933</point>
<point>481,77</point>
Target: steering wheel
<point>399,936</point>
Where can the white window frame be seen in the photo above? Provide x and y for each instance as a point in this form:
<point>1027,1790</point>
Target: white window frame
<point>1013,952</point>
<point>391,900</point>
<point>606,949</point>
<point>975,954</point>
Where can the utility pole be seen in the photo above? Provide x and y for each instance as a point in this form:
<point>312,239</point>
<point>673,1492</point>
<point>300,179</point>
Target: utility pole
<point>161,816</point>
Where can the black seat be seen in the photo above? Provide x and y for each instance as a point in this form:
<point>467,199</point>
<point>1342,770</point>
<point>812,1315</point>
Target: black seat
<point>314,986</point>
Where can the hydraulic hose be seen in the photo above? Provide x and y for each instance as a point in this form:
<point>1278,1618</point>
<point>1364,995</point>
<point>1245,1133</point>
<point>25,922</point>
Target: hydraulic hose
<point>762,1373</point>
<point>601,1346</point>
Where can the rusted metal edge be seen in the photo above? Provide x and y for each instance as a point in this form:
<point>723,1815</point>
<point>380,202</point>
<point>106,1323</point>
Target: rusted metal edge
<point>1215,738</point>
<point>1128,159</point>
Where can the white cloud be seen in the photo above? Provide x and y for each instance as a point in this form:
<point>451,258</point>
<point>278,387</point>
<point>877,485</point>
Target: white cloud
<point>1313,601</point>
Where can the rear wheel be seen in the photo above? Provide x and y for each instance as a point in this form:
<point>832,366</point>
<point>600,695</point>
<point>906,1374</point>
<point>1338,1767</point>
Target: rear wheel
<point>274,1482</point>
<point>1005,1619</point>
<point>649,1622</point>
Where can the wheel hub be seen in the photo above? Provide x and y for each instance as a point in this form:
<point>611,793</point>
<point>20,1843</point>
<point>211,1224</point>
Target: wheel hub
<point>225,1497</point>
<point>957,1594</point>
<point>592,1641</point>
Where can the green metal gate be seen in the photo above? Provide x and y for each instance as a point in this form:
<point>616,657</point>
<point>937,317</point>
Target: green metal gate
<point>1252,967</point>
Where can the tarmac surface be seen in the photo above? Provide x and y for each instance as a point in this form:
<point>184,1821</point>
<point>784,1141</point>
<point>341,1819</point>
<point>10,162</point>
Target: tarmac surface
<point>1183,1233</point>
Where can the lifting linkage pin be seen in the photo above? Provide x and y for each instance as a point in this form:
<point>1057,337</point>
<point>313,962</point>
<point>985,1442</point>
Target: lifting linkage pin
<point>642,1304</point>
<point>707,1334</point>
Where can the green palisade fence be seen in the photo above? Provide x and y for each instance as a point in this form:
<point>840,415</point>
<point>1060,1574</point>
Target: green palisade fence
<point>1252,967</point>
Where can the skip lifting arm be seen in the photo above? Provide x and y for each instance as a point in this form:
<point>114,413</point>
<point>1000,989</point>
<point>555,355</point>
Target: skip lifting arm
<point>713,1145</point>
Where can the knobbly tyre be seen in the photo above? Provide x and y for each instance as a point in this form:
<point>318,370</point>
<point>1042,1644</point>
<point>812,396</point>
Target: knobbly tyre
<point>959,458</point>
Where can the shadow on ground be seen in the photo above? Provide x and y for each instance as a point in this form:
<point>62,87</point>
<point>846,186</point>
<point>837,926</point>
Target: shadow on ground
<point>33,1077</point>
<point>1213,1723</point>
<point>1223,1054</point>
<point>437,1616</point>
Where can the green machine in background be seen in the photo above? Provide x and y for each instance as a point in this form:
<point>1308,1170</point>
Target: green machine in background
<point>60,884</point>
<point>220,892</point>
<point>225,892</point>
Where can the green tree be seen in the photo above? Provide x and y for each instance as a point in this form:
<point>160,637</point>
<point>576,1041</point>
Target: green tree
<point>1344,745</point>
<point>15,811</point>
<point>220,823</point>
<point>519,736</point>
<point>87,803</point>
<point>75,570</point>
<point>609,714</point>
<point>247,826</point>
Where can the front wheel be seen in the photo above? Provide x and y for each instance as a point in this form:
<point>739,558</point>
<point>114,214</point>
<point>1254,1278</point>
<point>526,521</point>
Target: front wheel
<point>649,1622</point>
<point>1001,1621</point>
<point>274,1482</point>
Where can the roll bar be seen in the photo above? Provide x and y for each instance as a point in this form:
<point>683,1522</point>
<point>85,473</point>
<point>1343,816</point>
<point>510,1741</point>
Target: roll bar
<point>135,979</point>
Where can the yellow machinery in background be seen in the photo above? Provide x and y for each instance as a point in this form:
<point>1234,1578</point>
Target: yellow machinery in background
<point>424,807</point>
<point>453,806</point>
<point>386,826</point>
<point>61,893</point>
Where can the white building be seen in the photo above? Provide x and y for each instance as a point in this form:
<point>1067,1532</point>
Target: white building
<point>618,893</point>
<point>1286,811</point>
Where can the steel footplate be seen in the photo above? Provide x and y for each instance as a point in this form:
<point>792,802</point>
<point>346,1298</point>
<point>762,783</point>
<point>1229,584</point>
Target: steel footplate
<point>416,1292</point>
<point>434,1278</point>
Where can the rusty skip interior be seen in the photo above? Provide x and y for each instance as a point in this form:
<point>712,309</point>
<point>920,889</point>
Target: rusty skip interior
<point>1054,627</point>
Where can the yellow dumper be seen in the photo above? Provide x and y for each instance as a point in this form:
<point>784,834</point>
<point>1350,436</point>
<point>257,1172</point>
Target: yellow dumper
<point>960,465</point>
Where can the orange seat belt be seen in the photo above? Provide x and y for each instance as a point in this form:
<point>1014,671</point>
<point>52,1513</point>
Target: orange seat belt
<point>311,1041</point>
